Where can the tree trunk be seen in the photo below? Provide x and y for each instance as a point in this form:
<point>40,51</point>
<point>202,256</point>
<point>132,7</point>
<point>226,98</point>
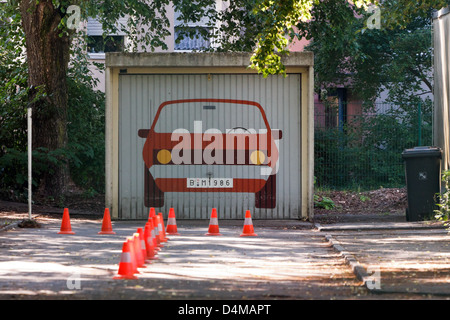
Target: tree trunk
<point>48,57</point>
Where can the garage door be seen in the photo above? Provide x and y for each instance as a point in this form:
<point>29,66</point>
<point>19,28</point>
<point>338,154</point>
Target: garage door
<point>194,142</point>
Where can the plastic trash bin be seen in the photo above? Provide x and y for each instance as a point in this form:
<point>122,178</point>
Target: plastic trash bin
<point>423,181</point>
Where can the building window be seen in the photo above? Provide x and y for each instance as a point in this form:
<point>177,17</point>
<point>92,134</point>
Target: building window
<point>100,44</point>
<point>192,38</point>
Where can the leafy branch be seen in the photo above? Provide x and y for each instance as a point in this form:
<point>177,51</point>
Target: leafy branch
<point>443,213</point>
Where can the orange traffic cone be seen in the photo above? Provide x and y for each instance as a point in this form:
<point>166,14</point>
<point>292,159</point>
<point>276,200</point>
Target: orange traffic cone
<point>213,224</point>
<point>126,268</point>
<point>248,226</point>
<point>130,241</point>
<point>140,231</point>
<point>106,224</point>
<point>153,235</point>
<point>65,224</point>
<point>151,213</point>
<point>153,218</point>
<point>172,223</point>
<point>157,233</point>
<point>159,227</point>
<point>149,247</point>
<point>163,228</point>
<point>138,251</point>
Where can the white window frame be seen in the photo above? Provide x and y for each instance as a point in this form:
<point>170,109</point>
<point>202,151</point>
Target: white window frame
<point>94,28</point>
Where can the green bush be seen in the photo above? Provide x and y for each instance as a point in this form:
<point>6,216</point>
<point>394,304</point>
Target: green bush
<point>86,124</point>
<point>366,152</point>
<point>443,213</point>
<point>86,131</point>
<point>323,202</point>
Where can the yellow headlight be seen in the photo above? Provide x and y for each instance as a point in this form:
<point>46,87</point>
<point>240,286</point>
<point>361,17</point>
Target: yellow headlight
<point>164,156</point>
<point>257,157</point>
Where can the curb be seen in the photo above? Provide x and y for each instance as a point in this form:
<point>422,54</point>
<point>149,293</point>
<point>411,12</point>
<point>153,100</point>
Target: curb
<point>359,271</point>
<point>10,226</point>
<point>357,268</point>
<point>399,226</point>
<point>369,280</point>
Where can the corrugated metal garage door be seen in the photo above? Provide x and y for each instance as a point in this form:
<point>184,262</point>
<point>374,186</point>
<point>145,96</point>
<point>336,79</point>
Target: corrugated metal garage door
<point>211,105</point>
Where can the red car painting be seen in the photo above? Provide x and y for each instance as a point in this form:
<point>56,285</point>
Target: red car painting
<point>210,145</point>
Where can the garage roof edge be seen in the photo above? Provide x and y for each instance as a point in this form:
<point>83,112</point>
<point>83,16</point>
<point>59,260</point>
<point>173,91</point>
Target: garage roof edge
<point>440,13</point>
<point>197,59</point>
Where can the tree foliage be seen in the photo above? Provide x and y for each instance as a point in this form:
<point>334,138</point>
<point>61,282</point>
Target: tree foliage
<point>85,150</point>
<point>397,59</point>
<point>367,152</point>
<point>264,27</point>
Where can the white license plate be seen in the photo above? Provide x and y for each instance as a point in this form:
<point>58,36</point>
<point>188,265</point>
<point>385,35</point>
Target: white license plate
<point>209,182</point>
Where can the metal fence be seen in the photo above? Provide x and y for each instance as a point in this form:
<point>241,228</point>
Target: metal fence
<point>359,146</point>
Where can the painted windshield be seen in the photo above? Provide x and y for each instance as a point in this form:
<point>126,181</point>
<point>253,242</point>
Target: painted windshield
<point>227,117</point>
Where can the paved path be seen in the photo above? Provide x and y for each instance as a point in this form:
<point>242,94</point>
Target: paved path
<point>396,257</point>
<point>287,260</point>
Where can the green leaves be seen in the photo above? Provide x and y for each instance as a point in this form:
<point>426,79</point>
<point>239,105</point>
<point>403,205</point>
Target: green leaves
<point>396,59</point>
<point>443,203</point>
<point>278,19</point>
<point>400,13</point>
<point>337,27</point>
<point>264,27</point>
<point>323,202</point>
<point>367,151</point>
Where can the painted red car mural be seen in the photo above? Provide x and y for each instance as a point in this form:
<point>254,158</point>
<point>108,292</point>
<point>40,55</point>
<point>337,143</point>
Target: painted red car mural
<point>173,154</point>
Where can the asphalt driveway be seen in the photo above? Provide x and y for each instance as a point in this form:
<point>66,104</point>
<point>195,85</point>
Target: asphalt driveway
<point>287,260</point>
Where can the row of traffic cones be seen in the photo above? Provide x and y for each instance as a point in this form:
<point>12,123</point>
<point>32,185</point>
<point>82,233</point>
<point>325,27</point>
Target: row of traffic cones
<point>213,229</point>
<point>66,227</point>
<point>145,243</point>
<point>139,250</point>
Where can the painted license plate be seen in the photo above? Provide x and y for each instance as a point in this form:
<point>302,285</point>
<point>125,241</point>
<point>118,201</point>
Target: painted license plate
<point>209,182</point>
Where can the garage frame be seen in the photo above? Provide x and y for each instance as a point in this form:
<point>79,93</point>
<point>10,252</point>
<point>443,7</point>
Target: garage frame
<point>204,63</point>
